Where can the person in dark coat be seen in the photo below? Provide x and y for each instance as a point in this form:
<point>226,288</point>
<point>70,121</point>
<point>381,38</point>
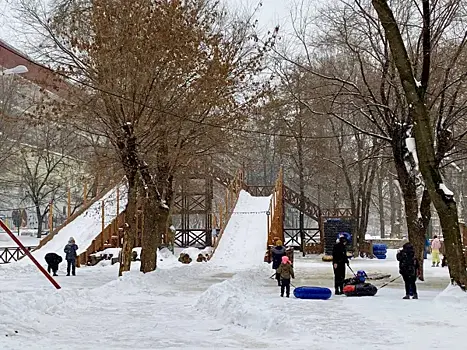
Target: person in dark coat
<point>277,253</point>
<point>53,260</point>
<point>70,249</point>
<point>408,268</point>
<point>339,260</point>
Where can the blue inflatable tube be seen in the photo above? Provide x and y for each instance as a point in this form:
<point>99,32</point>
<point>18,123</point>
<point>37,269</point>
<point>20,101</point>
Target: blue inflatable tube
<point>317,293</point>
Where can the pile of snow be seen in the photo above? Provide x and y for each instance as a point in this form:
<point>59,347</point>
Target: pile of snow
<point>453,295</point>
<point>86,227</point>
<point>244,240</point>
<point>237,301</point>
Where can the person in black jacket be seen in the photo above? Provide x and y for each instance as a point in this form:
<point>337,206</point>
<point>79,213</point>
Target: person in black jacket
<point>277,253</point>
<point>339,260</point>
<point>408,268</point>
<point>53,260</point>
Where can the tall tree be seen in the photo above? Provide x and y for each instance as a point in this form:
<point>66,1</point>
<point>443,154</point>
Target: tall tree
<point>416,95</point>
<point>162,81</point>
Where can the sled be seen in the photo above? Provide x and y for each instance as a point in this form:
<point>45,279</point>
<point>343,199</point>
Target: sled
<point>316,293</point>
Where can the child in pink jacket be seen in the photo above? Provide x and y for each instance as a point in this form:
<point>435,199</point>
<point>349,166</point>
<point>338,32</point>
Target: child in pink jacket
<point>435,247</point>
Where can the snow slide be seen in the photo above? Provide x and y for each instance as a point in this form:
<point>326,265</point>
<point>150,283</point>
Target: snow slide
<point>243,242</point>
<point>86,227</point>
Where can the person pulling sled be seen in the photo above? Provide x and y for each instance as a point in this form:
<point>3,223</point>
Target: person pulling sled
<point>409,269</point>
<point>339,260</point>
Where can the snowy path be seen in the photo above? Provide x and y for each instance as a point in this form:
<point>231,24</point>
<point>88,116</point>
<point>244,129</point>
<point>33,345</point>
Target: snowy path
<point>202,306</point>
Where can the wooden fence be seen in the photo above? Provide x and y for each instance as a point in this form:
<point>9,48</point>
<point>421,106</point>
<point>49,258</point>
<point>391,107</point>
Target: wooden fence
<point>9,254</point>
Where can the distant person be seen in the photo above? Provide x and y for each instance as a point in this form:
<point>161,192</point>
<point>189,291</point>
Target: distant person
<point>409,269</point>
<point>285,272</point>
<point>339,260</point>
<point>277,253</point>
<point>70,249</point>
<point>53,260</point>
<point>435,248</point>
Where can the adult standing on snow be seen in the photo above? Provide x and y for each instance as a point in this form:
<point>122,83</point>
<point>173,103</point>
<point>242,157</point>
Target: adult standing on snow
<point>339,260</point>
<point>408,268</point>
<point>435,247</point>
<point>277,253</point>
<point>71,255</point>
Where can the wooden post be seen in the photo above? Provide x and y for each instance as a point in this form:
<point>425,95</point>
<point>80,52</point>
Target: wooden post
<point>69,203</point>
<point>85,193</point>
<point>103,215</point>
<point>221,223</point>
<point>51,221</point>
<point>118,200</point>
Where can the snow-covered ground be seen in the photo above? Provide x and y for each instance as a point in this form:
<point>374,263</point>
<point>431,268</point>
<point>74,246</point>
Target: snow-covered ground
<point>28,241</point>
<point>225,303</point>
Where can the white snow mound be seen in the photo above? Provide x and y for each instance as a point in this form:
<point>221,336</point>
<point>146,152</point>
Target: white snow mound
<point>454,295</point>
<point>238,301</point>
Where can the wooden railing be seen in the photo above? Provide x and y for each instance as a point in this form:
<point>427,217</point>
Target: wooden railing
<point>110,237</point>
<point>276,212</point>
<point>9,254</point>
<point>231,198</point>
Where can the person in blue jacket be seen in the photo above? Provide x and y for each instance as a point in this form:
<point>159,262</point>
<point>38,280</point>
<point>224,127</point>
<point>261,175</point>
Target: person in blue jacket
<point>71,255</point>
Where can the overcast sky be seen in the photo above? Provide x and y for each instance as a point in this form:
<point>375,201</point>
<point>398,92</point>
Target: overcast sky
<point>271,13</point>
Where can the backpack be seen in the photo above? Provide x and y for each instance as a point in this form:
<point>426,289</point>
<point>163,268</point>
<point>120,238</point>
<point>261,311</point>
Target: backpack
<point>407,264</point>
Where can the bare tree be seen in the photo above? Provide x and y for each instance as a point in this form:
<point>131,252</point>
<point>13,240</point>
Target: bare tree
<point>416,95</point>
<point>161,81</point>
<point>45,167</point>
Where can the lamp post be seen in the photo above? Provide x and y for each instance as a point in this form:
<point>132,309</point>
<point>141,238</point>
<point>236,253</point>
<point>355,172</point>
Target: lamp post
<point>15,70</point>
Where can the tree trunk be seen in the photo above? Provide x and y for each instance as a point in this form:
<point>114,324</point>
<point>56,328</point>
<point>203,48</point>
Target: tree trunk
<point>156,214</point>
<point>129,231</point>
<point>301,182</point>
<point>39,221</point>
<point>423,131</point>
<point>129,159</point>
<point>392,204</point>
<point>416,232</point>
<point>381,202</point>
<point>155,225</point>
